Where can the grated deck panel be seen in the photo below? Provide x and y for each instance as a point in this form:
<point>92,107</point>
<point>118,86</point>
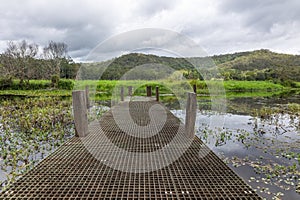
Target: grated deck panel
<point>72,172</point>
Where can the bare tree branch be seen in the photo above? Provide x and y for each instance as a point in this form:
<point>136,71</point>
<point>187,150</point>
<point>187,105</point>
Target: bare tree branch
<point>54,52</point>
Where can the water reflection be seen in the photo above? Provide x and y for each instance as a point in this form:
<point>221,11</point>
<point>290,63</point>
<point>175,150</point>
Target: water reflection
<point>259,140</point>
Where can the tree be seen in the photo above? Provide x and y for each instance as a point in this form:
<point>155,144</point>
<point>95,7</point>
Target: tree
<point>55,53</point>
<point>68,69</point>
<point>192,74</point>
<point>8,68</point>
<point>18,58</point>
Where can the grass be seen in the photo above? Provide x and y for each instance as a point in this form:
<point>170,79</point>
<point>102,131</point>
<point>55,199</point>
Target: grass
<point>63,84</point>
<point>251,86</point>
<point>42,82</point>
<point>234,94</point>
<point>36,93</point>
<point>104,89</point>
<point>105,85</point>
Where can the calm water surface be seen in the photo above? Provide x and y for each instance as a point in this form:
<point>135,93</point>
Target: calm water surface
<point>264,152</point>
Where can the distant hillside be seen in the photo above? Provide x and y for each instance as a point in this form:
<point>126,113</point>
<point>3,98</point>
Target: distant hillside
<point>259,65</point>
<point>252,65</point>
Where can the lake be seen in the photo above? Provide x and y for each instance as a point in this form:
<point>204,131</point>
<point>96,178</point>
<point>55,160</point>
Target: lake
<point>258,138</point>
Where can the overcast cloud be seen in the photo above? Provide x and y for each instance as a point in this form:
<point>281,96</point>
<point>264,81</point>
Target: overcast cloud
<point>217,26</point>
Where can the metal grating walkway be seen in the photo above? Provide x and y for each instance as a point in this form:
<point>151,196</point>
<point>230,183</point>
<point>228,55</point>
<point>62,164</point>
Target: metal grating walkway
<point>91,168</point>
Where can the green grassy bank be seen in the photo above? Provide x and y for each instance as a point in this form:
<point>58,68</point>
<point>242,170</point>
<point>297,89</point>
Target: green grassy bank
<point>103,89</point>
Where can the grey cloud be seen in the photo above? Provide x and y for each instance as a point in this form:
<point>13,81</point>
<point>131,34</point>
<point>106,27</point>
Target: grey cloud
<point>150,8</point>
<point>77,23</point>
<point>263,15</point>
<point>147,40</point>
<point>218,26</point>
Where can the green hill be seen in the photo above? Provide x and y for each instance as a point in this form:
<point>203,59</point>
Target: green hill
<point>253,65</point>
<point>259,65</point>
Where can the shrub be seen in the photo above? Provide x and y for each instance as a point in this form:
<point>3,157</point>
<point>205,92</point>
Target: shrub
<point>54,80</point>
<point>38,85</point>
<point>5,83</point>
<point>289,83</point>
<point>66,84</point>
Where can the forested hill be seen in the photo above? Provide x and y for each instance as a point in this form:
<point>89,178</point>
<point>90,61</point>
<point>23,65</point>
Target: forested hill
<point>252,65</point>
<point>260,65</point>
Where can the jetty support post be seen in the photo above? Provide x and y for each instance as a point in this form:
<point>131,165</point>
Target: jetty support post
<point>149,91</point>
<point>157,93</point>
<point>190,117</point>
<point>195,88</point>
<point>80,113</point>
<point>129,90</point>
<point>87,94</point>
<point>122,93</point>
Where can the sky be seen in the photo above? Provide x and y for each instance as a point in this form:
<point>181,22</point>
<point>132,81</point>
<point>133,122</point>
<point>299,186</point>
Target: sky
<point>217,26</point>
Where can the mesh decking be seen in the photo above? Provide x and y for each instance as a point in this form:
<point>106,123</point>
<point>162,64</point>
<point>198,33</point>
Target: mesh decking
<point>72,172</point>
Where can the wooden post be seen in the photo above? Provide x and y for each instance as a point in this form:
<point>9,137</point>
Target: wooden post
<point>122,93</point>
<point>129,90</point>
<point>149,91</point>
<point>87,93</point>
<point>195,88</point>
<point>112,103</point>
<point>157,93</point>
<point>80,113</point>
<point>190,117</point>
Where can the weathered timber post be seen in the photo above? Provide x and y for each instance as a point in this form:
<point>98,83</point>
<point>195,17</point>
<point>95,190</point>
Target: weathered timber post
<point>87,93</point>
<point>112,103</point>
<point>190,117</point>
<point>129,90</point>
<point>80,113</point>
<point>157,93</point>
<point>195,88</point>
<point>122,93</point>
<point>149,91</point>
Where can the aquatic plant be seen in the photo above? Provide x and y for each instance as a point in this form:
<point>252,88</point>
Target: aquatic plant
<point>30,129</point>
<point>272,140</point>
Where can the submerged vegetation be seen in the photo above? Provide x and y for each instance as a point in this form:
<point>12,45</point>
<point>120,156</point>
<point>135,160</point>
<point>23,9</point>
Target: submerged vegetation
<point>30,129</point>
<point>268,143</point>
